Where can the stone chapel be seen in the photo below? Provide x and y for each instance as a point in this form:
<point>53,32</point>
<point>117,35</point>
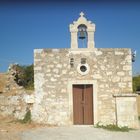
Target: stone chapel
<point>84,85</point>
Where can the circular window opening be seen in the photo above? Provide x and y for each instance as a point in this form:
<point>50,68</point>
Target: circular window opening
<point>83,68</point>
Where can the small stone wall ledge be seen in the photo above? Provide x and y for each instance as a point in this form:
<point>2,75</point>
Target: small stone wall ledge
<point>125,95</point>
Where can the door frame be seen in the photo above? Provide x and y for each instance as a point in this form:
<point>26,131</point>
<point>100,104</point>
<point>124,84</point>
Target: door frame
<point>95,101</point>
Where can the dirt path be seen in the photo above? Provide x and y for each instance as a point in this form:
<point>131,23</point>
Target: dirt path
<point>78,133</point>
<point>10,129</point>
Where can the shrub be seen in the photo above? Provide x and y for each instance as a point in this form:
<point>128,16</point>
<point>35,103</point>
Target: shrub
<point>136,83</point>
<point>113,127</point>
<point>23,75</point>
<point>27,117</point>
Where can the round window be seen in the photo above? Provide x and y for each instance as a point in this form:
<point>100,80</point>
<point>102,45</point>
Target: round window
<point>83,68</point>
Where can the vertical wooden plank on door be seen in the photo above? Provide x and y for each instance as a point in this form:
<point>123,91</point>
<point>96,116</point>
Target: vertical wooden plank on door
<point>88,104</point>
<point>77,106</point>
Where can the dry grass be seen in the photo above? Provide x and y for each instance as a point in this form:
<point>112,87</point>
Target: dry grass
<point>113,127</point>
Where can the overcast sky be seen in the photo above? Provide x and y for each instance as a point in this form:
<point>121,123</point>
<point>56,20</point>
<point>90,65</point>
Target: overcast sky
<point>26,26</point>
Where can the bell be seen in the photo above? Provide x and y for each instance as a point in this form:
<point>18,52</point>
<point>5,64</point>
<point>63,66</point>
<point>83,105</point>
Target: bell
<point>82,34</point>
<point>82,31</point>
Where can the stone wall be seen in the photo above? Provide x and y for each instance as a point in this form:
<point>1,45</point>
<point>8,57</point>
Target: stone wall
<point>14,99</point>
<point>138,104</point>
<point>126,110</point>
<point>51,68</point>
<point>13,105</point>
<point>110,68</point>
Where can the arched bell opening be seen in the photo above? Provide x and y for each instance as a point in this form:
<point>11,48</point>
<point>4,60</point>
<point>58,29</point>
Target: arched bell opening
<point>82,36</point>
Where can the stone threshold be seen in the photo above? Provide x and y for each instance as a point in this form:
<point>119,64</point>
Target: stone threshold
<point>82,125</point>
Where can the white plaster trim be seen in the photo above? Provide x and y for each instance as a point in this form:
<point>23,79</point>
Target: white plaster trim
<point>95,101</point>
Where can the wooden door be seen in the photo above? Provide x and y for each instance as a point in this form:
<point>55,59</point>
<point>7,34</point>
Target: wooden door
<point>83,104</point>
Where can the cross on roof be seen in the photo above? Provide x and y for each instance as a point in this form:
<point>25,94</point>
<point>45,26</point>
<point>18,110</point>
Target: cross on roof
<point>82,14</point>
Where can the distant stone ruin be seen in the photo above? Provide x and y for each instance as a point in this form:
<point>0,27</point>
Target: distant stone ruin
<point>14,99</point>
<point>16,72</point>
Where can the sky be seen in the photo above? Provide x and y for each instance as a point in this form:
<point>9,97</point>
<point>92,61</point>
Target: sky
<point>25,26</point>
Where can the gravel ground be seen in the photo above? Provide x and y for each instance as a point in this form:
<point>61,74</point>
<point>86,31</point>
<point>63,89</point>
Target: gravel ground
<point>9,136</point>
<point>78,133</point>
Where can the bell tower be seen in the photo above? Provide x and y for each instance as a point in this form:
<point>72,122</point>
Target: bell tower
<point>83,28</point>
